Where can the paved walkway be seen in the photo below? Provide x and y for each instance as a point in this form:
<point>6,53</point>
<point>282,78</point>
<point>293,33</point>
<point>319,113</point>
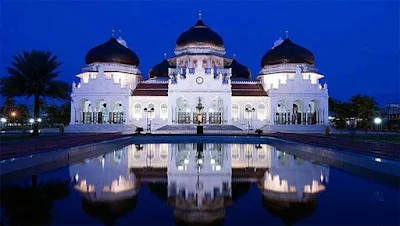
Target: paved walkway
<point>378,149</point>
<point>25,147</point>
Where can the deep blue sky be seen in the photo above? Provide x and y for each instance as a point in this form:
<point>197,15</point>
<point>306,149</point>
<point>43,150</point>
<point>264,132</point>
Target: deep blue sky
<point>356,43</point>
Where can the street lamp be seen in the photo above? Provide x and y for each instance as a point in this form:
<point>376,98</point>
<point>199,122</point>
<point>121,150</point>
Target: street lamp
<point>148,111</point>
<point>377,121</point>
<point>39,120</point>
<point>31,120</point>
<point>249,110</point>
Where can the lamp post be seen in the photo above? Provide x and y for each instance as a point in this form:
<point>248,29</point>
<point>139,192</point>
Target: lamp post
<point>249,110</point>
<point>377,121</point>
<point>199,108</point>
<point>148,111</point>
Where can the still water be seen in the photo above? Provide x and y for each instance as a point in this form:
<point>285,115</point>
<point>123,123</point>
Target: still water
<point>203,184</point>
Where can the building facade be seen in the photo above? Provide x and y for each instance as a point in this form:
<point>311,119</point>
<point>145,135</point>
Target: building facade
<point>200,84</point>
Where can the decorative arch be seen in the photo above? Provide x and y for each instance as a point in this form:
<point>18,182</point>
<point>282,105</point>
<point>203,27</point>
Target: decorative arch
<point>298,111</point>
<point>151,113</point>
<point>137,111</point>
<point>261,111</point>
<point>235,111</point>
<point>314,112</point>
<point>248,114</point>
<point>164,111</point>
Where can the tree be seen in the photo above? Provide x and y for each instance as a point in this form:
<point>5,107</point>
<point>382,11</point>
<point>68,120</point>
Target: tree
<point>59,114</point>
<point>33,74</point>
<point>364,108</point>
<point>13,112</point>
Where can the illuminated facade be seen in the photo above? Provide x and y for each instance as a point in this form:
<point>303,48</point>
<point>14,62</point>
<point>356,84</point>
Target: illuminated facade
<point>200,80</point>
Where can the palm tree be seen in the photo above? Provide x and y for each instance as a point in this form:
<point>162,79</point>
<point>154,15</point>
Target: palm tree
<point>365,108</point>
<point>33,74</point>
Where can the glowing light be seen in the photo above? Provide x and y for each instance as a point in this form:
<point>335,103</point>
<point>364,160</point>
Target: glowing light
<point>378,121</point>
<point>13,114</point>
<point>322,177</point>
<point>76,177</point>
<point>200,161</point>
<point>39,120</point>
<point>186,161</point>
<point>212,161</point>
<point>31,120</point>
<point>3,120</point>
<point>218,168</point>
<point>378,159</point>
<point>180,168</point>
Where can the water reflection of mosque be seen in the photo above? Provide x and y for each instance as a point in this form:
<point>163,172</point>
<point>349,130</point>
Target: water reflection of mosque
<point>199,180</point>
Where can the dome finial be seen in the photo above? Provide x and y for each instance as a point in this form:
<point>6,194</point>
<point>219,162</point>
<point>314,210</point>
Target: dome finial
<point>234,55</point>
<point>199,14</point>
<point>112,32</point>
<point>165,55</point>
<point>119,32</point>
<point>287,34</point>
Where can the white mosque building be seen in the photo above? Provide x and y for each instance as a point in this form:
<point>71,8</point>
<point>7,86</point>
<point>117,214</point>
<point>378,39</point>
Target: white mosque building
<point>199,79</point>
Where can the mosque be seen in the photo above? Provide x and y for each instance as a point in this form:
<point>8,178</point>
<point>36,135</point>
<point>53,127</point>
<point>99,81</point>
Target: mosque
<point>200,85</point>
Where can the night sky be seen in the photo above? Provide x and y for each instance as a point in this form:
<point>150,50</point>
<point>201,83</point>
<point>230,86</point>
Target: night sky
<point>356,43</point>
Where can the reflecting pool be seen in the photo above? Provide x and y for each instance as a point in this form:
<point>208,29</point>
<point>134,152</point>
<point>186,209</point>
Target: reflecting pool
<point>200,184</point>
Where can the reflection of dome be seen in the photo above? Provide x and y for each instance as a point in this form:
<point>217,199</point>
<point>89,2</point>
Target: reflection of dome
<point>289,211</point>
<point>211,217</point>
<point>112,51</point>
<point>287,52</point>
<point>199,34</point>
<point>109,212</point>
<point>161,69</point>
<point>239,70</point>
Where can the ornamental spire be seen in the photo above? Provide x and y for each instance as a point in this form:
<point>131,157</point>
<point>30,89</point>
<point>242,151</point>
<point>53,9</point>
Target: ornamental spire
<point>112,32</point>
<point>287,34</point>
<point>119,33</point>
<point>165,55</point>
<point>199,14</point>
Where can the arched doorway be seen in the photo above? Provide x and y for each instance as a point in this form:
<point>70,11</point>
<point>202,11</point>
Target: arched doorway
<point>314,112</point>
<point>183,111</point>
<point>298,112</point>
<point>215,112</point>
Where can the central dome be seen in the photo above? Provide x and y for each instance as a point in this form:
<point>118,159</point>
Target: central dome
<point>199,34</point>
<point>112,51</point>
<point>287,52</point>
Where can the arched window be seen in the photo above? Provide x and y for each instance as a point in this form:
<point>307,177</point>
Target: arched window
<point>261,112</point>
<point>248,111</point>
<point>235,112</point>
<point>138,111</point>
<point>151,113</point>
<point>164,111</point>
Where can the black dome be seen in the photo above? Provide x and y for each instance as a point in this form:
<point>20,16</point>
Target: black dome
<point>239,70</point>
<point>287,52</point>
<point>160,70</point>
<point>112,52</point>
<point>199,33</point>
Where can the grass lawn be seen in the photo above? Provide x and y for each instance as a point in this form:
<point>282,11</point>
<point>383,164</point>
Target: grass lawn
<point>380,137</point>
<point>21,137</point>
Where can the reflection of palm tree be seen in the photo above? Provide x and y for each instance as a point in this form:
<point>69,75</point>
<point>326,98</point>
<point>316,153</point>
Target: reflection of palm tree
<point>31,205</point>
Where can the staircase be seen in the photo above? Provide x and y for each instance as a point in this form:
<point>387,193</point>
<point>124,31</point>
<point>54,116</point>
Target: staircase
<point>193,127</point>
<point>101,128</point>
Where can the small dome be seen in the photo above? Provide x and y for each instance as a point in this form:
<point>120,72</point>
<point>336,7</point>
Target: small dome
<point>287,52</point>
<point>199,33</point>
<point>112,51</point>
<point>160,70</point>
<point>239,70</point>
